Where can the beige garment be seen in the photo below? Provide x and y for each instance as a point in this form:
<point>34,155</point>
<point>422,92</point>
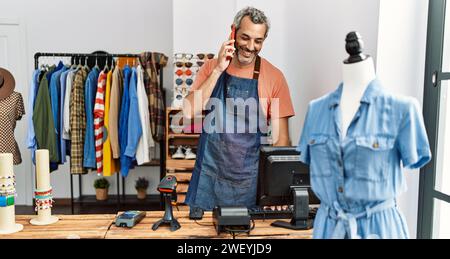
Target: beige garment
<point>115,104</point>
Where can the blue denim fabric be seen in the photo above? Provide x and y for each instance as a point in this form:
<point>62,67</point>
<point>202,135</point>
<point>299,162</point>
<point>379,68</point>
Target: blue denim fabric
<point>31,137</point>
<point>226,168</point>
<point>123,121</point>
<point>355,173</point>
<point>90,89</point>
<point>62,141</point>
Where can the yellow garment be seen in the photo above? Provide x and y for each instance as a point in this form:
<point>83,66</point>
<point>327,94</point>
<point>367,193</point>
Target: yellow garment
<point>110,165</point>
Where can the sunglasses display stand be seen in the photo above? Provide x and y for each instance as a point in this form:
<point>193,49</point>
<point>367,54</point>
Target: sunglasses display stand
<point>43,194</point>
<point>182,66</point>
<point>186,67</point>
<point>7,208</point>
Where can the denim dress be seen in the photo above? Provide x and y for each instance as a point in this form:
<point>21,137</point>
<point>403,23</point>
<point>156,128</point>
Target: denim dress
<point>358,177</point>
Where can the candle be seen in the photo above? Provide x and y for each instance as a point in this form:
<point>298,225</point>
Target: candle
<point>7,214</point>
<point>43,189</point>
<point>42,170</point>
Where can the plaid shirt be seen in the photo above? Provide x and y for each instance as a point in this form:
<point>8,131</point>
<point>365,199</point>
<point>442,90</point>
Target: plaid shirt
<point>152,64</point>
<point>77,122</point>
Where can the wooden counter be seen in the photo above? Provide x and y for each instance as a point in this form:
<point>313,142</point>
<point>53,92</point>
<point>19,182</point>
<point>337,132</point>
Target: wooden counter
<point>200,229</point>
<point>101,226</point>
<point>68,226</point>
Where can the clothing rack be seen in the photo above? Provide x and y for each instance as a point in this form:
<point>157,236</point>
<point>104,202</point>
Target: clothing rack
<point>162,162</point>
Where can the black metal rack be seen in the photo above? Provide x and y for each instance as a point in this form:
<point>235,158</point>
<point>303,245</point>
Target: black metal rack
<point>106,56</point>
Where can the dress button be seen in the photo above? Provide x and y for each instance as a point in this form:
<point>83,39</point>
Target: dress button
<point>312,142</point>
<point>340,189</point>
<point>375,145</point>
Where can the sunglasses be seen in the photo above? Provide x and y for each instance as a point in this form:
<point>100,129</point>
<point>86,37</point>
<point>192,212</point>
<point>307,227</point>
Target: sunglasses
<point>200,63</point>
<point>202,56</point>
<point>187,56</point>
<point>180,81</point>
<point>181,90</point>
<point>181,64</point>
<point>180,72</point>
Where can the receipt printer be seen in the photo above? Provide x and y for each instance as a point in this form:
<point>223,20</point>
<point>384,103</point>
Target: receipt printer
<point>231,218</point>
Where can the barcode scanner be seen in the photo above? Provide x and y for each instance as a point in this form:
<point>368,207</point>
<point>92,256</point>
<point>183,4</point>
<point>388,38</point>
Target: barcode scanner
<point>168,188</point>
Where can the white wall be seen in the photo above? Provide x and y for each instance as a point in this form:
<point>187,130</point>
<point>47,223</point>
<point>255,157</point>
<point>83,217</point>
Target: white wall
<point>306,42</point>
<point>315,47</point>
<point>401,67</point>
<point>85,26</point>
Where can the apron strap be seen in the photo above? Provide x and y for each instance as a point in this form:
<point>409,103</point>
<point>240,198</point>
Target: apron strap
<point>257,67</point>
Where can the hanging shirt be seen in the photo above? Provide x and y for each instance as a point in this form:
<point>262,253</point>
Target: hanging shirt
<point>31,137</point>
<point>123,119</point>
<point>134,126</point>
<point>43,120</point>
<point>90,90</point>
<point>99,115</point>
<point>11,110</point>
<point>110,165</point>
<point>62,141</point>
<point>152,63</point>
<point>77,123</point>
<point>55,91</point>
<point>357,177</point>
<point>146,141</point>
<point>69,84</point>
<point>116,93</point>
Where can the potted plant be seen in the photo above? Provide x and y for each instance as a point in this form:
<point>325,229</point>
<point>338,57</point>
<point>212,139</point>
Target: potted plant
<point>141,187</point>
<point>101,189</point>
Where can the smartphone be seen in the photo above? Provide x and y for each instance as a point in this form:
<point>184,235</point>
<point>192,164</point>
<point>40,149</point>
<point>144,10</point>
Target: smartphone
<point>232,36</point>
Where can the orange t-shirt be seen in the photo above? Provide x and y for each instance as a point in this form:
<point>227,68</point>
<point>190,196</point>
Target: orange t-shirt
<point>273,90</point>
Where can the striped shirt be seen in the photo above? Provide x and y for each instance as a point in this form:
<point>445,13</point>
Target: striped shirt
<point>99,114</point>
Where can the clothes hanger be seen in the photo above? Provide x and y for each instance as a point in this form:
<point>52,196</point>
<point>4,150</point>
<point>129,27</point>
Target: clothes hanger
<point>106,68</point>
<point>74,63</point>
<point>85,63</point>
<point>96,63</point>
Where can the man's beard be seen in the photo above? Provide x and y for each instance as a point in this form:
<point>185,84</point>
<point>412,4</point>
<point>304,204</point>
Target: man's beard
<point>246,56</point>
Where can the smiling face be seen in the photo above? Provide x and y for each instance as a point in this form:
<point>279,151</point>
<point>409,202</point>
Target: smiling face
<point>249,41</point>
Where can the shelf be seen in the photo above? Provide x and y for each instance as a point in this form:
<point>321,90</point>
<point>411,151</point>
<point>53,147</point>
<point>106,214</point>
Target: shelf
<point>180,135</point>
<point>179,164</point>
<point>154,162</point>
<point>112,200</point>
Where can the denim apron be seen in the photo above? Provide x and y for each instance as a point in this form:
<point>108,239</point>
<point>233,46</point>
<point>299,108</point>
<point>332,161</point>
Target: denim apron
<point>226,169</point>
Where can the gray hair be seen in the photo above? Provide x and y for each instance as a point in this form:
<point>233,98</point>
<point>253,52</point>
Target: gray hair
<point>255,15</point>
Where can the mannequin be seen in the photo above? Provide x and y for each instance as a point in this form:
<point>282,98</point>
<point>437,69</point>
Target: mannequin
<point>12,107</point>
<point>357,72</point>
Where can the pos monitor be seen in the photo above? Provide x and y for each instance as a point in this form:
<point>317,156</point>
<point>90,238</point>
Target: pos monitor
<point>284,180</point>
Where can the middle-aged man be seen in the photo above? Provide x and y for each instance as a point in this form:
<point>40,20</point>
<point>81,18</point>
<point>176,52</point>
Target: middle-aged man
<point>226,168</point>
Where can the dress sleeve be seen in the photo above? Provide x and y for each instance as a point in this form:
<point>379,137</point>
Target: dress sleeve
<point>20,109</point>
<point>412,138</point>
